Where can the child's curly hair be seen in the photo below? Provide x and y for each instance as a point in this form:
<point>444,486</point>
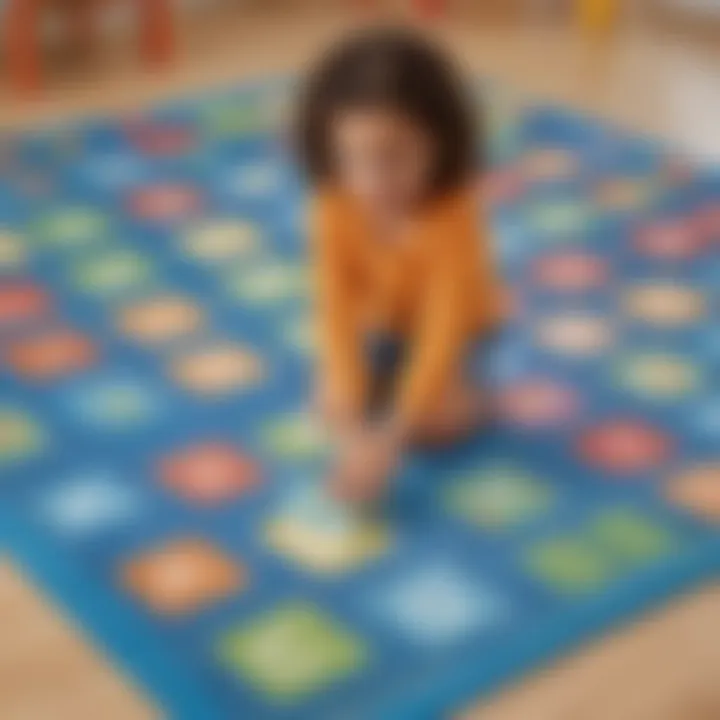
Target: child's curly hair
<point>401,71</point>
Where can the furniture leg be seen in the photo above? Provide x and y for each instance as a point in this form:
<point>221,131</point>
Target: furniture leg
<point>22,44</point>
<point>157,31</point>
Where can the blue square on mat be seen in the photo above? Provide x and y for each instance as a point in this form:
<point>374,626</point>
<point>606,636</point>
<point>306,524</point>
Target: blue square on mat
<point>439,604</point>
<point>90,502</point>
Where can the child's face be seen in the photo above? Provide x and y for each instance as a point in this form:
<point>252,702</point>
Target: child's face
<point>382,158</point>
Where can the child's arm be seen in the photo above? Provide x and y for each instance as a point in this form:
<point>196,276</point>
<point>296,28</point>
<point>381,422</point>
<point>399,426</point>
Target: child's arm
<point>341,372</point>
<point>446,318</point>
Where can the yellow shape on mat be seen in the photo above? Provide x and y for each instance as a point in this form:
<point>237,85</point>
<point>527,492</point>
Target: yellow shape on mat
<point>327,550</point>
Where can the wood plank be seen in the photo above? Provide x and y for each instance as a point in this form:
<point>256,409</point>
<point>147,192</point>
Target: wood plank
<point>666,667</point>
<point>48,671</point>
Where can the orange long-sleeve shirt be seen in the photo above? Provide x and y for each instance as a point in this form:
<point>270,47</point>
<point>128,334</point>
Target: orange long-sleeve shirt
<point>435,288</point>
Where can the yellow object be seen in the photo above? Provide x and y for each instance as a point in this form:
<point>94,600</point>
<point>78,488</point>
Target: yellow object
<point>597,14</point>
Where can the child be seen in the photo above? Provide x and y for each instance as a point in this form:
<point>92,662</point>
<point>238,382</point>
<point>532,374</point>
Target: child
<point>405,284</point>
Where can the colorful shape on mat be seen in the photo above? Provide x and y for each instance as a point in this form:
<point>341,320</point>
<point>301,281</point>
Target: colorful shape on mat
<point>658,376</point>
<point>74,227</point>
<point>227,119</point>
<point>113,272</point>
<point>549,163</point>
<point>291,651</point>
<point>158,139</point>
<point>21,302</point>
<point>295,437</point>
<point>252,181</point>
<point>217,369</point>
<point>220,241</point>
<point>570,272</point>
<point>538,403</point>
<point>21,437</point>
<point>13,253</point>
<point>440,604</point>
<point>90,502</point>
<point>182,576</point>
<point>560,220</point>
<point>671,241</point>
<point>623,194</point>
<point>569,565</point>
<point>498,496</point>
<point>631,537</point>
<point>625,447</point>
<point>664,304</point>
<point>707,220</point>
<point>51,354</point>
<point>697,490</point>
<point>269,283</point>
<point>575,335</point>
<point>209,473</point>
<point>160,319</point>
<point>165,203</point>
<point>299,333</point>
<point>323,535</point>
<point>114,402</point>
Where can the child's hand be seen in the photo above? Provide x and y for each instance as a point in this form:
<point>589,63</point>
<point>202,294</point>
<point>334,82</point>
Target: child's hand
<point>369,457</point>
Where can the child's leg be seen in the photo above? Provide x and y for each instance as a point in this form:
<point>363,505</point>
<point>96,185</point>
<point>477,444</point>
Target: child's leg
<point>461,410</point>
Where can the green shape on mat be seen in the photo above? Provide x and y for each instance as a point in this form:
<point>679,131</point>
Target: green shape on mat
<point>296,436</point>
<point>498,496</point>
<point>113,272</point>
<point>269,283</point>
<point>291,651</point>
<point>240,118</point>
<point>13,253</point>
<point>631,536</point>
<point>72,228</point>
<point>658,376</point>
<point>20,436</point>
<point>569,565</point>
<point>560,220</point>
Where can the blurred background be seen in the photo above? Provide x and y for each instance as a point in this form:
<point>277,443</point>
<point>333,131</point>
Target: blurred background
<point>650,65</point>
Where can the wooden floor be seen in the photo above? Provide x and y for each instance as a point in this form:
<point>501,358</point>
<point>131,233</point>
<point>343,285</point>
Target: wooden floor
<point>665,668</point>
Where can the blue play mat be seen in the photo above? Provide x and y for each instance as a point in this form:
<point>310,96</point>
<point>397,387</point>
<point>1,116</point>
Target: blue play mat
<point>158,472</point>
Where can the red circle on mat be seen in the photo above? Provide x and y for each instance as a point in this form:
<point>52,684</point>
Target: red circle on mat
<point>501,186</point>
<point>673,240</point>
<point>51,354</point>
<point>549,163</point>
<point>159,139</point>
<point>538,403</point>
<point>165,202</point>
<point>707,222</point>
<point>21,302</point>
<point>570,271</point>
<point>209,473</point>
<point>625,446</point>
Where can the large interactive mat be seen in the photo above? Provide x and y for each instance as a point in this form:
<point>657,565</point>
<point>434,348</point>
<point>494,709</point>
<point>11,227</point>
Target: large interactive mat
<point>159,471</point>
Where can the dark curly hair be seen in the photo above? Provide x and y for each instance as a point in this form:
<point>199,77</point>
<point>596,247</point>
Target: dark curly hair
<point>401,71</point>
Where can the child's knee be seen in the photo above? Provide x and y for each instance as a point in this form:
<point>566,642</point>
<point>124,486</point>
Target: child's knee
<point>460,412</point>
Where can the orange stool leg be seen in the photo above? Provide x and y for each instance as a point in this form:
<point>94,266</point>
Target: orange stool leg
<point>430,9</point>
<point>82,23</point>
<point>22,43</point>
<point>157,31</point>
